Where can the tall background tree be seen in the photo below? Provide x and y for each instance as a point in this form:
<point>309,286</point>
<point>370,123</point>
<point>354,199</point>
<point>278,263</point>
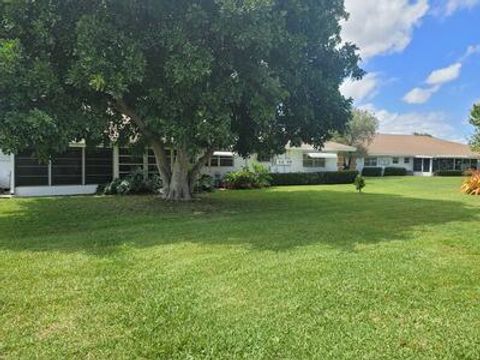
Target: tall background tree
<point>475,121</point>
<point>359,133</point>
<point>187,75</point>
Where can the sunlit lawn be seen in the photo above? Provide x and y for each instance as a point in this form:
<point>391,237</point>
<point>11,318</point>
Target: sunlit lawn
<point>295,272</point>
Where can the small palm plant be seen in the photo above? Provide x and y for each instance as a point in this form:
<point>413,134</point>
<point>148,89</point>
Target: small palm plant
<point>471,186</point>
<point>359,183</point>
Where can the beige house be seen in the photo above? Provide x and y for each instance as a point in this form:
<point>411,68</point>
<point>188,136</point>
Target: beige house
<point>420,155</point>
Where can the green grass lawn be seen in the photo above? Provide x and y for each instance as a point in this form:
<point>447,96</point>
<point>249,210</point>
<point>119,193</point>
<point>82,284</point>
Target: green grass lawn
<point>294,272</point>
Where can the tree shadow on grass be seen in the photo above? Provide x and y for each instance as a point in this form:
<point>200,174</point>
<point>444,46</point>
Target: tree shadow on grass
<point>261,220</point>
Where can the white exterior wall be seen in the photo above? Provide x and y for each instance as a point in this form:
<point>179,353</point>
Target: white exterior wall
<point>294,158</point>
<point>220,171</point>
<point>290,162</point>
<point>67,190</point>
<point>387,161</point>
<point>5,171</point>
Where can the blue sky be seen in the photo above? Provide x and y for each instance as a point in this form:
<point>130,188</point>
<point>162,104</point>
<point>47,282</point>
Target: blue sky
<point>423,63</point>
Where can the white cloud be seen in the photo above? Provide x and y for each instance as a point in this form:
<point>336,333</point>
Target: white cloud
<point>434,123</point>
<point>471,50</point>
<point>453,6</point>
<point>361,90</point>
<point>436,80</point>
<point>419,95</point>
<point>445,75</point>
<point>382,26</point>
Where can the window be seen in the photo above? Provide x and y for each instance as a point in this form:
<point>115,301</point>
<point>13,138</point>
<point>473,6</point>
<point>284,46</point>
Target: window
<point>395,160</point>
<point>129,161</point>
<point>29,170</point>
<point>98,166</point>
<point>406,160</point>
<point>221,161</point>
<point>384,161</point>
<point>67,167</point>
<point>309,162</point>
<point>370,161</point>
<point>152,161</point>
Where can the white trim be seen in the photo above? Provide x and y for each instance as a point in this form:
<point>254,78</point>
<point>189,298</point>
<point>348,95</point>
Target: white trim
<point>322,156</point>
<point>12,174</point>
<point>116,162</point>
<point>223,153</point>
<point>49,172</point>
<point>68,190</point>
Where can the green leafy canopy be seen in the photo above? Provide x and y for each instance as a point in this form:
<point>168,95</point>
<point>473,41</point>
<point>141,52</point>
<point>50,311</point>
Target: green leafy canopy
<point>247,75</point>
<point>475,121</point>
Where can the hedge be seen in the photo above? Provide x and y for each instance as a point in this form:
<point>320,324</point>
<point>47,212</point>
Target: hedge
<point>372,172</point>
<point>316,178</point>
<point>451,173</point>
<point>395,171</point>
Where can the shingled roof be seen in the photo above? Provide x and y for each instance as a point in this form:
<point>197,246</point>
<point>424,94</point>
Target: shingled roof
<point>414,145</point>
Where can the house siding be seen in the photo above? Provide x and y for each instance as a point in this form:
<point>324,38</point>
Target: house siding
<point>5,171</point>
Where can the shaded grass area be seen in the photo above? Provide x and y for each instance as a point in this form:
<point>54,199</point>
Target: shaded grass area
<point>294,272</point>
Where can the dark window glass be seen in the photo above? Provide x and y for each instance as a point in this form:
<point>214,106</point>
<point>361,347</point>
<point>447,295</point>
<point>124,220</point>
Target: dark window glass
<point>426,165</point>
<point>29,171</point>
<point>226,161</point>
<point>308,162</point>
<point>406,160</point>
<point>214,161</point>
<point>67,168</point>
<point>98,166</point>
<point>417,165</point>
<point>370,161</point>
<point>129,161</point>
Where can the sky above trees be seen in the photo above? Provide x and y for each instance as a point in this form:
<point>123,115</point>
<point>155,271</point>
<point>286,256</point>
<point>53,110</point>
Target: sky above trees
<point>423,63</point>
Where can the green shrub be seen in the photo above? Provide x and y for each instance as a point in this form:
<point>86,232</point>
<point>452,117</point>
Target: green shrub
<point>372,172</point>
<point>359,183</point>
<point>255,178</point>
<point>447,173</point>
<point>205,183</point>
<point>395,171</point>
<point>133,184</point>
<point>316,178</point>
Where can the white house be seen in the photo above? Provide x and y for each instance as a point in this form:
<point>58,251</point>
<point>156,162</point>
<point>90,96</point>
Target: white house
<point>80,170</point>
<point>419,155</point>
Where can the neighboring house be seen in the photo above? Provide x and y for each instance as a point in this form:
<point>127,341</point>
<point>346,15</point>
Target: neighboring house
<point>80,170</point>
<point>420,155</point>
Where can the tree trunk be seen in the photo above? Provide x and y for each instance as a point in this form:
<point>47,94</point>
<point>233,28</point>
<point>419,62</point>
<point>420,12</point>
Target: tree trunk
<point>179,187</point>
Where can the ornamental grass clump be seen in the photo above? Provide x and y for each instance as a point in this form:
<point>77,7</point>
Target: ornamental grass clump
<point>471,186</point>
<point>359,183</point>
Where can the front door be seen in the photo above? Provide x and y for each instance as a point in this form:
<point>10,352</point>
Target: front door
<point>422,166</point>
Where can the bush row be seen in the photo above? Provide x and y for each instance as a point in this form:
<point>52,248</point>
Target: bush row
<point>316,178</point>
<point>372,171</point>
<point>452,173</point>
<point>388,171</point>
<point>395,171</point>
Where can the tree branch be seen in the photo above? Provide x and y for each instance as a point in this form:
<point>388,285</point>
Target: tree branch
<point>157,145</point>
<point>201,162</point>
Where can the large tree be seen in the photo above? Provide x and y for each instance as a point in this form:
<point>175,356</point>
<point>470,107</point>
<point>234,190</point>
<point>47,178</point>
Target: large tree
<point>359,133</point>
<point>475,121</point>
<point>188,75</point>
